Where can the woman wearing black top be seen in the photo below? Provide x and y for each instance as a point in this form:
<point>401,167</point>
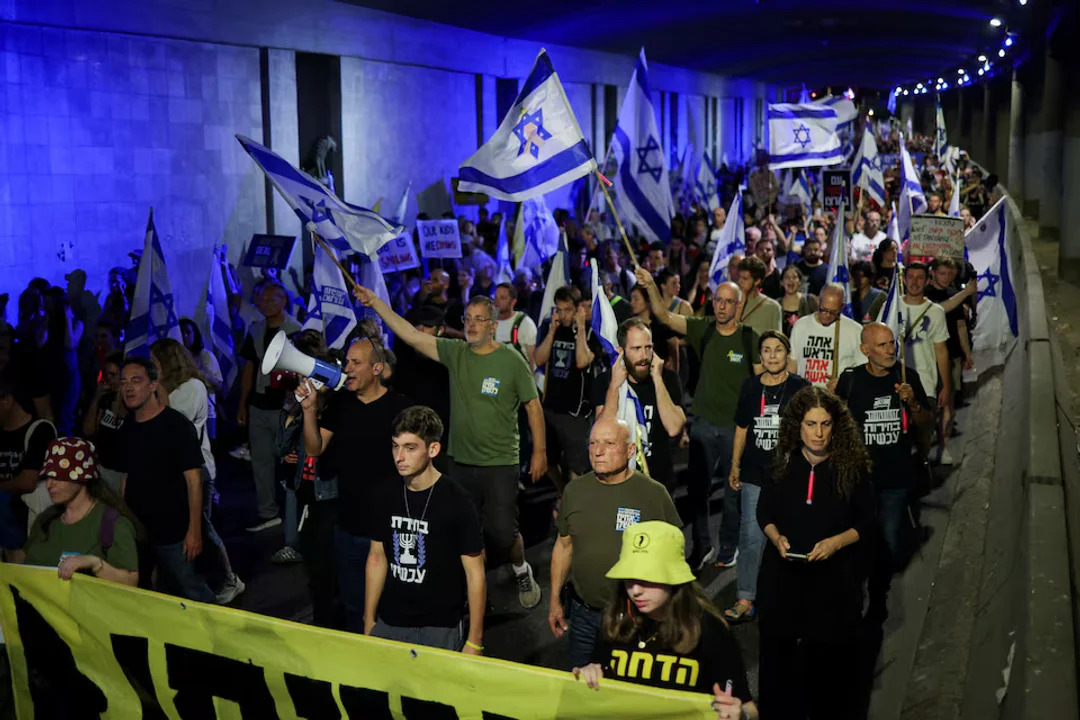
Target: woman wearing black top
<point>809,600</point>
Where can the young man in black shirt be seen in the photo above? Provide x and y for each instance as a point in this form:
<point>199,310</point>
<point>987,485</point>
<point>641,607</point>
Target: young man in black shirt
<point>163,461</point>
<point>24,443</point>
<point>886,409</point>
<point>427,534</point>
<point>565,354</point>
<point>356,430</point>
<point>657,390</point>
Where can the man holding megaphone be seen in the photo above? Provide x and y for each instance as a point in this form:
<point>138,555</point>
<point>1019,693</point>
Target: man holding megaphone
<point>489,381</point>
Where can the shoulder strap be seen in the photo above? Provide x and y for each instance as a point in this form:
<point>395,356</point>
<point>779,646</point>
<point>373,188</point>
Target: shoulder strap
<point>748,354</point>
<point>107,532</point>
<point>30,432</point>
<point>911,328</point>
<point>519,318</point>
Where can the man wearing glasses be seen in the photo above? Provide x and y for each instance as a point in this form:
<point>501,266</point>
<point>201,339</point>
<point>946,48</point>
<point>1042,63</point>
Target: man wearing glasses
<point>814,338</point>
<point>489,381</point>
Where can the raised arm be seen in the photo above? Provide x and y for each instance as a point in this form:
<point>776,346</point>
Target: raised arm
<point>421,342</point>
<point>672,320</point>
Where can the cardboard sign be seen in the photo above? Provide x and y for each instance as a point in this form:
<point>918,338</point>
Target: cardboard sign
<point>836,189</point>
<point>269,251</point>
<point>936,236</point>
<point>439,239</point>
<point>398,254</point>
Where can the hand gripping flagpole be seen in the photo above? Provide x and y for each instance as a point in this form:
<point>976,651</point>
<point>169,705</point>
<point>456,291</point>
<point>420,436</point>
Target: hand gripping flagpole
<point>604,182</point>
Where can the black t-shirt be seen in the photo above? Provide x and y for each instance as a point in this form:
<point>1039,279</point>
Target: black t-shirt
<point>885,421</point>
<point>816,275</point>
<point>658,449</point>
<point>156,453</point>
<point>424,541</point>
<point>951,318</point>
<point>423,380</point>
<point>771,286</point>
<point>107,439</point>
<point>759,408</point>
<point>274,396</point>
<point>716,660</point>
<point>17,453</point>
<point>566,383</point>
<point>362,459</point>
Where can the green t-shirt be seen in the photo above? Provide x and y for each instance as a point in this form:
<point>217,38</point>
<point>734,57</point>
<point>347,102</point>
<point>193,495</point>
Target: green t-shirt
<point>723,370</point>
<point>594,515</point>
<point>83,538</point>
<point>485,393</point>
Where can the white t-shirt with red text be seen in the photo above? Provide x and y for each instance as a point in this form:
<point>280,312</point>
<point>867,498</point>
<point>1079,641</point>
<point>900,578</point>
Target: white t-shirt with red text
<point>812,347</point>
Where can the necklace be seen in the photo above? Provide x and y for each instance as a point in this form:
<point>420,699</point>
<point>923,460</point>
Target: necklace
<point>85,513</point>
<point>642,643</point>
<point>405,496</point>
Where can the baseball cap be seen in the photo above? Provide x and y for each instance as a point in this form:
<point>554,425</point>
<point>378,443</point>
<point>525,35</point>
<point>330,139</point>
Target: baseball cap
<point>70,459</point>
<point>653,551</point>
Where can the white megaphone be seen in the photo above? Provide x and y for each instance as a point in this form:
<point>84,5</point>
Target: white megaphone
<point>282,356</point>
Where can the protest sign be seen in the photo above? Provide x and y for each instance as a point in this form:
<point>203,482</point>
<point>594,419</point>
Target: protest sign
<point>439,239</point>
<point>398,254</point>
<point>936,236</point>
<point>836,189</point>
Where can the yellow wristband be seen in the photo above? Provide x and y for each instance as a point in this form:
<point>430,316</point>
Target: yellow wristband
<point>474,646</point>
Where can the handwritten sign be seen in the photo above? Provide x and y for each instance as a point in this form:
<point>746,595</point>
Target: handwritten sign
<point>937,236</point>
<point>398,254</point>
<point>836,189</point>
<point>439,238</point>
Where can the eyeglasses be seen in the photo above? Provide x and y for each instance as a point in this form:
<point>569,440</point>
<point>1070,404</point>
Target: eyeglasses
<point>374,348</point>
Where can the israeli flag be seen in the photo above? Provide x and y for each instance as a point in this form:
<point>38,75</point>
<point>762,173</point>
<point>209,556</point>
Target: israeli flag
<point>330,309</point>
<point>558,276</point>
<point>803,136</point>
<point>912,200</point>
<point>537,148</point>
<point>706,184</point>
<point>369,274</point>
<point>954,199</point>
<point>796,186</point>
<point>732,240</point>
<point>214,320</point>
<point>846,113</point>
<point>891,104</point>
<point>941,138</point>
<point>989,249</point>
<point>890,314</point>
<point>867,172</point>
<point>838,262</point>
<point>893,231</point>
<point>153,309</point>
<point>642,188</point>
<point>502,256</point>
<point>345,227</point>
<point>536,234</point>
<point>403,205</point>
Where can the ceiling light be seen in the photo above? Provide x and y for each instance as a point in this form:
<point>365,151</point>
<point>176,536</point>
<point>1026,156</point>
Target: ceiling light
<point>981,71</point>
<point>870,112</point>
<point>982,58</point>
<point>941,80</point>
<point>995,22</point>
<point>1023,2</point>
<point>967,78</point>
<point>1008,41</point>
<point>1001,52</point>
<point>919,85</point>
<point>905,92</point>
<point>960,71</point>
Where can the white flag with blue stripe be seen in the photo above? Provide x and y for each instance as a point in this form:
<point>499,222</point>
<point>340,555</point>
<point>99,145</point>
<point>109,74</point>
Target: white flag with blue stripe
<point>153,309</point>
<point>503,274</point>
<point>838,263</point>
<point>706,184</point>
<point>989,249</point>
<point>558,276</point>
<point>893,231</point>
<point>536,234</point>
<point>214,320</point>
<point>866,169</point>
<point>912,200</point>
<point>403,205</point>
<point>345,227</point>
<point>732,240</point>
<point>330,309</point>
<point>890,314</point>
<point>642,189</point>
<point>941,138</point>
<point>803,136</point>
<point>537,148</point>
<point>954,199</point>
<point>604,324</point>
<point>846,114</point>
<point>796,186</point>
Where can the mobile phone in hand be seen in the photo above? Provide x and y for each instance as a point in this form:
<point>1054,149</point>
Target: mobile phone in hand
<point>801,557</point>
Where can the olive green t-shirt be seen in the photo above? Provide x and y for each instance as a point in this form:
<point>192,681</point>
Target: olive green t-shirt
<point>485,393</point>
<point>83,538</point>
<point>723,370</point>
<point>594,515</point>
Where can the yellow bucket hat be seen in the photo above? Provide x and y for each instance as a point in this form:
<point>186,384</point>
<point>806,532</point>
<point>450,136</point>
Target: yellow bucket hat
<point>652,551</point>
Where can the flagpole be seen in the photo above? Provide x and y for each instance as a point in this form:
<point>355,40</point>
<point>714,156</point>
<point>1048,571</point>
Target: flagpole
<point>903,343</point>
<point>611,206</point>
<point>345,273</point>
<point>592,195</point>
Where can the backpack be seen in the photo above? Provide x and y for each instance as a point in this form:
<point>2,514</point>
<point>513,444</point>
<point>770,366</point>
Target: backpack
<point>747,343</point>
<point>519,317</point>
<point>37,499</point>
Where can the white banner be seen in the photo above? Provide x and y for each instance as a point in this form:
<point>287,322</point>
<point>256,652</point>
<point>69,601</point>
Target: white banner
<point>439,238</point>
<point>398,254</point>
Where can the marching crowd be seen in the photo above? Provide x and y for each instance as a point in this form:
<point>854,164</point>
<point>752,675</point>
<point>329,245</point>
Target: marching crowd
<point>402,489</point>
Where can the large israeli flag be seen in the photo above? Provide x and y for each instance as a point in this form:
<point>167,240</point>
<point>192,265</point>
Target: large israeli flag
<point>345,227</point>
<point>912,200</point>
<point>803,136</point>
<point>989,248</point>
<point>941,138</point>
<point>503,274</point>
<point>330,309</point>
<point>838,263</point>
<point>537,148</point>
<point>732,240</point>
<point>866,168</point>
<point>846,114</point>
<point>153,309</point>
<point>706,184</point>
<point>642,189</point>
<point>796,186</point>
<point>954,199</point>
<point>213,319</point>
<point>536,234</point>
<point>893,231</point>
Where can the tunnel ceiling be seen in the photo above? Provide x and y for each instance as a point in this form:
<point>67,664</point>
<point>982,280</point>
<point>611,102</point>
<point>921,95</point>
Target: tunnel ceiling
<point>863,43</point>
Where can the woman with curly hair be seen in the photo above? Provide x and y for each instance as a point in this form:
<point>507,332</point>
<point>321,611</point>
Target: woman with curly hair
<point>818,516</point>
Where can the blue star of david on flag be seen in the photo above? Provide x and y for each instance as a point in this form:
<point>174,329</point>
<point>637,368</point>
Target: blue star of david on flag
<point>531,133</point>
<point>167,313</point>
<point>991,285</point>
<point>153,307</point>
<point>318,210</point>
<point>802,135</point>
<point>644,167</point>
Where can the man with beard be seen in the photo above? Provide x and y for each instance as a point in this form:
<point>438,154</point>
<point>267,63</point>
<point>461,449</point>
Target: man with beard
<point>489,381</point>
<point>813,268</point>
<point>356,429</point>
<point>657,391</point>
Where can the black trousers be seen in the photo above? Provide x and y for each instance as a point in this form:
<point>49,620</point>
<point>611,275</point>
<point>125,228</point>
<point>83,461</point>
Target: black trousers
<point>317,549</point>
<point>808,679</point>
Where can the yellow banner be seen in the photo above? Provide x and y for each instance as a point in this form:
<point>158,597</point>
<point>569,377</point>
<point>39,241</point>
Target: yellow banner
<point>91,649</point>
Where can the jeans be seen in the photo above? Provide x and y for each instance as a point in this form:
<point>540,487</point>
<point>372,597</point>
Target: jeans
<point>177,576</point>
<point>292,518</point>
<point>751,543</point>
<point>317,548</point>
<point>262,435</point>
<point>584,632</point>
<point>214,560</point>
<point>447,638</point>
<point>710,457</point>
<point>352,552</point>
<point>892,519</point>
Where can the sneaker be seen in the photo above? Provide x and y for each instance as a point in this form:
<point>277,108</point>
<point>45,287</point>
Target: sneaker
<point>528,589</point>
<point>728,563</point>
<point>241,452</point>
<point>286,555</point>
<point>945,458</point>
<point>703,563</point>
<point>233,587</point>
<point>265,525</point>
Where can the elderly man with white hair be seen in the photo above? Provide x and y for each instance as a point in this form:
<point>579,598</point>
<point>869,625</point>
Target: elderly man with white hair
<point>815,337</point>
